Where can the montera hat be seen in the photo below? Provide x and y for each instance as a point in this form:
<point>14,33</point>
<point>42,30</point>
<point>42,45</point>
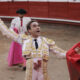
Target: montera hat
<point>21,11</point>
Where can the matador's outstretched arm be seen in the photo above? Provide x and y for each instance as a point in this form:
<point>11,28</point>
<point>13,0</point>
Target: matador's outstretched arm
<point>11,34</point>
<point>5,31</point>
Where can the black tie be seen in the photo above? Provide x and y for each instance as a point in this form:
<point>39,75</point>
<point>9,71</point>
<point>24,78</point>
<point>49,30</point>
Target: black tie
<point>36,44</point>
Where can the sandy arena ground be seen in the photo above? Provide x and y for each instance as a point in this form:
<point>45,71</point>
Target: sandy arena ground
<point>64,35</point>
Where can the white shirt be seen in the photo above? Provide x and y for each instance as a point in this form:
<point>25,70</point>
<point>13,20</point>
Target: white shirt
<point>16,23</point>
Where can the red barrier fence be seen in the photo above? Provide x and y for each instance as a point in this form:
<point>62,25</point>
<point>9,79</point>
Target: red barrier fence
<point>58,10</point>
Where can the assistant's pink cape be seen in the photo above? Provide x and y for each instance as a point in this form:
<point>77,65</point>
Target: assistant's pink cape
<point>73,62</point>
<point>15,53</point>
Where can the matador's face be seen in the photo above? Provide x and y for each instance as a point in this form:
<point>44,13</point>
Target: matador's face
<point>35,29</point>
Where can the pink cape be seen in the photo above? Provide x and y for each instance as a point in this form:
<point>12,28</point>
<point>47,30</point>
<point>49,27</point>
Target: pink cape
<point>15,54</point>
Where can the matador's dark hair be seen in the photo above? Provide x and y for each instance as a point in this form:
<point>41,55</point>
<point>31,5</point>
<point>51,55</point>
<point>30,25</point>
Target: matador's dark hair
<point>28,25</point>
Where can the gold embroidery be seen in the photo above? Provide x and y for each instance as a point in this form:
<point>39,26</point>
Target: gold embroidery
<point>58,49</point>
<point>46,57</point>
<point>34,55</point>
<point>45,72</point>
<point>29,70</point>
<point>42,50</point>
<point>24,36</point>
<point>39,51</point>
<point>34,52</point>
<point>49,41</point>
<point>39,55</point>
<point>26,52</point>
<point>45,52</point>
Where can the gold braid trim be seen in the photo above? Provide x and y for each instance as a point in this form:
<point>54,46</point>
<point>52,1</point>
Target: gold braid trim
<point>29,70</point>
<point>45,72</point>
<point>26,52</point>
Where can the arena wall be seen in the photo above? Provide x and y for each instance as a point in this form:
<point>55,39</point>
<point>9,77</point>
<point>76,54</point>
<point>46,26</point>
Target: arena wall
<point>59,10</point>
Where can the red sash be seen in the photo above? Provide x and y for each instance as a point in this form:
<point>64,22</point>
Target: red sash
<point>37,65</point>
<point>21,22</point>
<point>16,30</point>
